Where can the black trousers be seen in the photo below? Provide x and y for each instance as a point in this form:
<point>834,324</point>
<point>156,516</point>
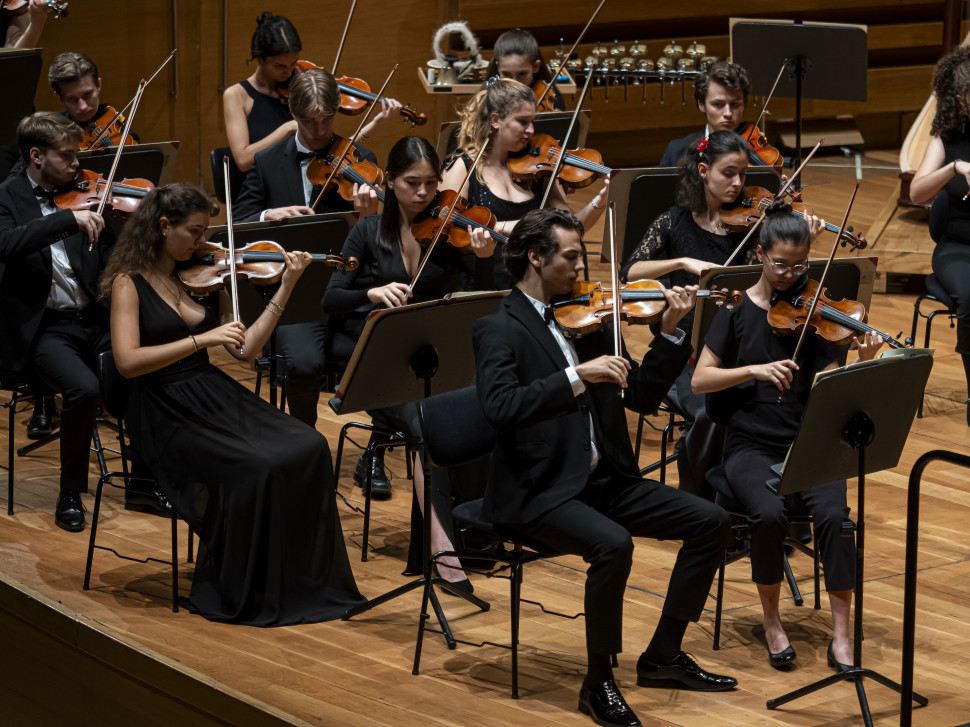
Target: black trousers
<point>302,347</point>
<point>65,359</point>
<point>747,470</point>
<point>600,525</point>
<point>951,265</point>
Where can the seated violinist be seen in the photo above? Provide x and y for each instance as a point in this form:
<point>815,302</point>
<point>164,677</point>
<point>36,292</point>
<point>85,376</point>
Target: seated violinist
<point>54,326</point>
<point>255,110</point>
<point>75,80</point>
<point>721,93</point>
<point>517,56</point>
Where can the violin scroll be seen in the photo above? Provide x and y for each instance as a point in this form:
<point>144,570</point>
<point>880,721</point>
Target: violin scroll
<point>728,298</point>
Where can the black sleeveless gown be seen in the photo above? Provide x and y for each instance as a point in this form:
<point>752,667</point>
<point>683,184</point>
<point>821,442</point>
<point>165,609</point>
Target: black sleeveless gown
<point>255,484</point>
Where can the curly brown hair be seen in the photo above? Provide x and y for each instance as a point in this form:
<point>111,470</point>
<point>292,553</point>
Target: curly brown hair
<point>951,83</point>
<point>141,238</point>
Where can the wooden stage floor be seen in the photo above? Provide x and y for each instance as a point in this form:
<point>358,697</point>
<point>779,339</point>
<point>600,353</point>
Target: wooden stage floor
<point>117,653</point>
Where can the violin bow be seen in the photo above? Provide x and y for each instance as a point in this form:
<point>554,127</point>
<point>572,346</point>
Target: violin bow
<point>353,140</point>
<point>233,289</point>
<point>561,157</point>
<point>825,272</point>
<point>771,93</point>
<point>340,48</point>
<point>448,216</point>
<point>781,193</point>
<point>114,165</point>
<point>108,126</point>
<point>615,282</point>
<point>564,59</point>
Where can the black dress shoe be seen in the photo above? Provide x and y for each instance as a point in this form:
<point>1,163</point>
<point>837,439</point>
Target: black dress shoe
<point>681,672</point>
<point>151,503</point>
<point>380,488</point>
<point>69,512</point>
<point>604,704</point>
<point>783,659</point>
<point>39,426</point>
<point>837,665</point>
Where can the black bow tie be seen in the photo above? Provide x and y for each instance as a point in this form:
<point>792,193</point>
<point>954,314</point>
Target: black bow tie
<point>302,156</point>
<point>42,194</point>
<point>548,314</point>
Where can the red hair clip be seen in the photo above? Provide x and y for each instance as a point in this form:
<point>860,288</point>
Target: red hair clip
<point>702,146</point>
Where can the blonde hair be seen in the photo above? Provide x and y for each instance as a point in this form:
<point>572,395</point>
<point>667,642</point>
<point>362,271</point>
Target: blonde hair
<point>312,92</point>
<point>500,96</point>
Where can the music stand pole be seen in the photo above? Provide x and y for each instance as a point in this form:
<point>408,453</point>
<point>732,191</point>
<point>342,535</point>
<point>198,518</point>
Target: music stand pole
<point>841,411</point>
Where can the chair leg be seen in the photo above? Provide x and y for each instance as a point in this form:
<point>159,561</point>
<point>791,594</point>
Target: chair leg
<point>94,532</point>
<point>175,563</point>
<point>636,450</point>
<point>259,382</point>
<point>191,558</point>
<point>516,598</point>
<point>718,605</point>
<point>818,581</point>
<point>792,584</point>
<point>10,460</point>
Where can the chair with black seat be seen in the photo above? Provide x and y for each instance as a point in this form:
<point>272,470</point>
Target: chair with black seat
<point>456,432</point>
<point>114,394</point>
<point>236,175</point>
<point>676,422</point>
<point>937,295</point>
<point>797,514</point>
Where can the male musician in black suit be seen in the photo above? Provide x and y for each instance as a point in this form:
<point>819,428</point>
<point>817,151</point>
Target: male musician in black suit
<point>54,326</point>
<point>563,470</point>
<point>721,93</point>
<point>75,80</point>
<point>276,186</point>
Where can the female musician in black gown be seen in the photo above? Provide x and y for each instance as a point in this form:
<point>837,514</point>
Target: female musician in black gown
<point>516,55</point>
<point>389,256</point>
<point>254,484</point>
<point>255,112</point>
<point>503,113</point>
<point>945,173</point>
<point>742,351</point>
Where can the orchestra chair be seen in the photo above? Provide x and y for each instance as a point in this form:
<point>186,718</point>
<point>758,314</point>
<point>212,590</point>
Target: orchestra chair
<point>936,295</point>
<point>114,394</point>
<point>676,421</point>
<point>797,515</point>
<point>456,432</point>
<point>20,392</point>
<point>236,175</point>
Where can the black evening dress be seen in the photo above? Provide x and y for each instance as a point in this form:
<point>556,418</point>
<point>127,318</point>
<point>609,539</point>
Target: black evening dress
<point>254,484</point>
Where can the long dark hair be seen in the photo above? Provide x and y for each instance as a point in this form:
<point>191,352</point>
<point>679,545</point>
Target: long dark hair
<point>141,238</point>
<point>781,225</point>
<point>403,154</point>
<point>519,42</point>
<point>274,36</point>
<point>535,232</point>
<point>951,77</point>
<point>690,185</point>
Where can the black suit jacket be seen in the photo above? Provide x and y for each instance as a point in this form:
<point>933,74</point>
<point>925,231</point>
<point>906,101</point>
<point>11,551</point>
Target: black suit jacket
<point>25,258</point>
<point>275,180</point>
<point>543,451</point>
<point>675,149</point>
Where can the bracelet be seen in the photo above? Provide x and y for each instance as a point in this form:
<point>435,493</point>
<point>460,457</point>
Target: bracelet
<point>593,205</point>
<point>277,306</point>
<point>192,338</point>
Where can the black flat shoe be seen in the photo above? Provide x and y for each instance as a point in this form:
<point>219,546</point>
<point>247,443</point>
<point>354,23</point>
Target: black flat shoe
<point>605,705</point>
<point>153,503</point>
<point>783,659</point>
<point>837,665</point>
<point>380,488</point>
<point>69,511</point>
<point>682,672</point>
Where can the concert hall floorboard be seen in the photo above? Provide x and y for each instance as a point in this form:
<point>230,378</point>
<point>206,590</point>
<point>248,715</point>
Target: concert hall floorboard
<point>359,672</point>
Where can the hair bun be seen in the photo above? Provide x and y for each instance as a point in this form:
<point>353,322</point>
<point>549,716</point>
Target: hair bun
<point>777,207</point>
<point>264,16</point>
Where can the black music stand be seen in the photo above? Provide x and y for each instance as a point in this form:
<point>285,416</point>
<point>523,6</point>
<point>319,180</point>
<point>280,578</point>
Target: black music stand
<point>20,69</point>
<point>323,234</point>
<point>861,430</point>
<point>405,355</point>
<point>825,62</point>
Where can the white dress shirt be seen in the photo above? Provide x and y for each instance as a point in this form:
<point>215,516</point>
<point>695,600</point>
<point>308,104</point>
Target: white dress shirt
<point>65,292</point>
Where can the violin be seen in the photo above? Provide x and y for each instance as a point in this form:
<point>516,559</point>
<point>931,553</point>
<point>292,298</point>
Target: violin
<point>834,322</point>
<point>760,152</point>
<point>754,200</point>
<point>427,224</point>
<point>545,92</point>
<point>355,94</point>
<point>105,131</point>
<point>88,190</point>
<point>15,7</point>
<point>261,263</point>
<point>352,170</point>
<point>641,303</point>
<point>580,167</point>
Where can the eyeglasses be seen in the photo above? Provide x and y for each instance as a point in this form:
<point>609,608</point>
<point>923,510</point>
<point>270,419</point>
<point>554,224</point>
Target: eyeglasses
<point>779,269</point>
